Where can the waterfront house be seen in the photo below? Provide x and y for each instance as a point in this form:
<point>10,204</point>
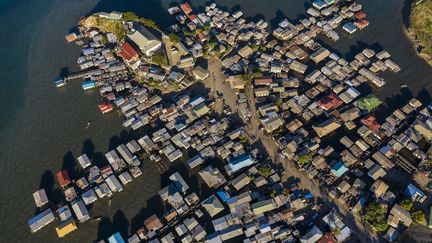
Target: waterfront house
<point>84,161</point>
<point>349,27</point>
<point>65,227</point>
<point>40,197</point>
<point>186,8</point>
<point>41,220</point>
<point>179,182</point>
<point>116,238</point>
<point>63,178</point>
<point>88,84</point>
<point>80,211</point>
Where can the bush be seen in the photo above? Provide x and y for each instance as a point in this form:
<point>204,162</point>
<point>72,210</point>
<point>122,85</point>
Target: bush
<point>375,215</point>
<point>419,217</point>
<point>264,171</point>
<point>158,58</point>
<point>406,204</point>
<point>174,38</point>
<point>243,139</point>
<point>304,159</point>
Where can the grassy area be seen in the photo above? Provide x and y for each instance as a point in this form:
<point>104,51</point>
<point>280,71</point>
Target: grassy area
<point>116,26</point>
<point>368,103</point>
<point>105,25</point>
<point>421,27</point>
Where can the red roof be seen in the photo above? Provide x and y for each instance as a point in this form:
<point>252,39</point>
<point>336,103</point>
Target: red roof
<point>361,23</point>
<point>330,101</point>
<point>153,223</point>
<point>63,178</point>
<point>263,81</point>
<point>193,17</point>
<point>360,15</point>
<point>105,107</point>
<point>202,36</point>
<point>327,238</point>
<point>128,52</point>
<point>371,123</point>
<point>186,7</point>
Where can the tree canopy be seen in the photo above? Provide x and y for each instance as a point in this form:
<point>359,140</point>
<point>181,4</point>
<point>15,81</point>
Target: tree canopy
<point>375,215</point>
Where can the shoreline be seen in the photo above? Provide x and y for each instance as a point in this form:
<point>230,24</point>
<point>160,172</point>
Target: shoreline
<point>406,27</point>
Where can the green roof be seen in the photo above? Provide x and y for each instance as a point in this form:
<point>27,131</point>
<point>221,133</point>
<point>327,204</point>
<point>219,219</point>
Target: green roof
<point>368,103</point>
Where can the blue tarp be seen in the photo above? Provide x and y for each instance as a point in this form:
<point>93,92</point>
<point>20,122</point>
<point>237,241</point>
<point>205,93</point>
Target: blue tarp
<point>243,161</point>
<point>223,196</point>
<point>339,169</point>
<point>116,238</point>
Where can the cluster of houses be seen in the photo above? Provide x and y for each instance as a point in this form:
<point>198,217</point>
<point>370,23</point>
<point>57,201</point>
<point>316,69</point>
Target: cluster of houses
<point>99,182</point>
<point>305,95</point>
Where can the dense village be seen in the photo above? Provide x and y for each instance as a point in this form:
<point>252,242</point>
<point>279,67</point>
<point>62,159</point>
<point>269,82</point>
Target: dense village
<point>286,137</point>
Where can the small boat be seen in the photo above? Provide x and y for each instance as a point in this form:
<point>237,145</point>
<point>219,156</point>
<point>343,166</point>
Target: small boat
<point>97,219</point>
<point>404,86</point>
<point>88,124</point>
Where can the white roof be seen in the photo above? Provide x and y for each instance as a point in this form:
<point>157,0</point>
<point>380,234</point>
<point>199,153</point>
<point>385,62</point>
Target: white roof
<point>40,197</point>
<point>125,177</point>
<point>80,211</point>
<point>113,183</point>
<point>84,161</point>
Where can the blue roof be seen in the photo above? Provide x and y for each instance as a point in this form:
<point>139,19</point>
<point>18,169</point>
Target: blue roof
<point>319,4</point>
<point>231,200</point>
<point>309,196</point>
<point>116,238</point>
<point>339,169</point>
<point>119,100</point>
<point>88,84</point>
<point>349,27</point>
<point>411,190</point>
<point>223,196</point>
<point>241,162</point>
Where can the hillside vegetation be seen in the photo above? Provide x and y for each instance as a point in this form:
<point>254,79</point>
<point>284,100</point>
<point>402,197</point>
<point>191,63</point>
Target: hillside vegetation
<point>116,26</point>
<point>420,28</point>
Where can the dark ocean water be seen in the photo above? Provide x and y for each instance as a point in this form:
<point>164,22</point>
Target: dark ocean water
<point>42,127</point>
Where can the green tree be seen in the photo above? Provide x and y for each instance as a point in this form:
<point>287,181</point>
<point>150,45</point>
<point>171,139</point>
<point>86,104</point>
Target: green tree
<point>406,204</point>
<point>375,215</point>
<point>255,48</point>
<point>304,159</point>
<point>131,16</point>
<point>243,139</point>
<point>158,58</point>
<point>419,217</point>
<point>279,101</point>
<point>174,38</point>
<point>264,171</point>
<point>272,193</point>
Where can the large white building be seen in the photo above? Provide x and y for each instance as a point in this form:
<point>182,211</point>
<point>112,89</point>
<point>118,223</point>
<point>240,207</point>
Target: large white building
<point>145,40</point>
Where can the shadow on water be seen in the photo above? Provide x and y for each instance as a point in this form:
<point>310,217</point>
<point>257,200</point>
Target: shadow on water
<point>105,229</point>
<point>48,183</point>
<point>71,166</point>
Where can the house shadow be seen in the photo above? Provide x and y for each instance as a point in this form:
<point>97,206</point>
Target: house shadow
<point>54,194</point>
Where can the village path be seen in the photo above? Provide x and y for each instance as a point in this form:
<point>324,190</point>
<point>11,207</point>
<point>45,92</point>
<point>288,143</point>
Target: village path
<point>216,83</point>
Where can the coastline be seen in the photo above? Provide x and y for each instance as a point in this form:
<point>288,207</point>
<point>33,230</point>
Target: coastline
<point>406,27</point>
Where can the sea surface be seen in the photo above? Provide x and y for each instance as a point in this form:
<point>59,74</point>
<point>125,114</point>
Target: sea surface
<point>42,127</point>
